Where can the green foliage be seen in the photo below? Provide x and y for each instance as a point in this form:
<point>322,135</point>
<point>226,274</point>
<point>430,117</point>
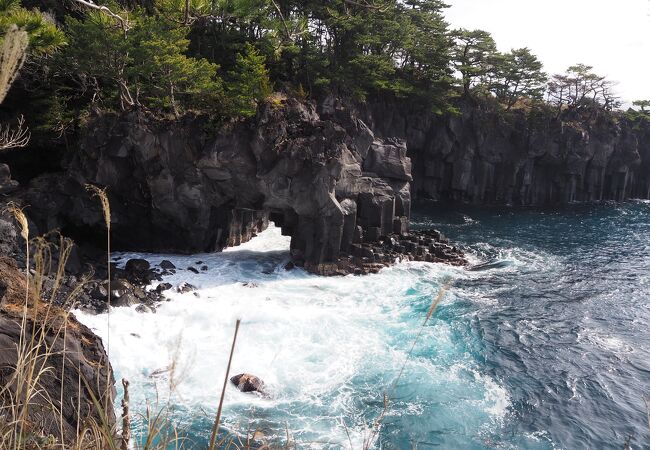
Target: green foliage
<point>249,84</point>
<point>222,57</point>
<point>355,48</point>
<point>146,65</point>
<point>161,72</point>
<point>519,74</point>
<point>427,52</point>
<point>96,57</point>
<point>44,37</point>
<point>474,55</point>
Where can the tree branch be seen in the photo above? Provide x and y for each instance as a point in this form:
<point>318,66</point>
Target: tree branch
<point>284,22</point>
<point>14,138</point>
<point>124,23</point>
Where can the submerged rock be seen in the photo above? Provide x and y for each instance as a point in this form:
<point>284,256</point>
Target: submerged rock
<point>163,287</point>
<point>167,265</point>
<point>145,309</point>
<point>185,287</point>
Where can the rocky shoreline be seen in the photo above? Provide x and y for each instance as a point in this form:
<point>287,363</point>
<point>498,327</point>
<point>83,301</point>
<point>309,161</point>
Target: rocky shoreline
<point>341,192</point>
<point>320,174</point>
<point>370,257</point>
<point>131,285</point>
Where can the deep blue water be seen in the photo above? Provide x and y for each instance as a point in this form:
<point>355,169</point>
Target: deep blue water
<point>545,346</point>
<point>567,333</point>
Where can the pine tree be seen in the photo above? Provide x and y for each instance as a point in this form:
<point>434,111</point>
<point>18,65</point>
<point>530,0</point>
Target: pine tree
<point>249,83</point>
<point>44,37</point>
<point>519,74</point>
<point>145,66</point>
<point>473,56</point>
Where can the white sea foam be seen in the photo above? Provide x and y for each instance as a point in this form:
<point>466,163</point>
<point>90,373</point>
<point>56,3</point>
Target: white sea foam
<point>327,348</point>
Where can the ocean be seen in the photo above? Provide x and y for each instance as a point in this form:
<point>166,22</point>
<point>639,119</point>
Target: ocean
<point>544,343</point>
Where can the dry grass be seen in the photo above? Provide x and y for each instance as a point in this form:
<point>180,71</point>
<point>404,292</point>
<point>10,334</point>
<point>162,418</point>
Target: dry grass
<point>42,327</point>
<point>370,440</point>
<point>43,324</point>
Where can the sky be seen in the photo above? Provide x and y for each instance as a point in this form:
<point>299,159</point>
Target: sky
<point>613,36</point>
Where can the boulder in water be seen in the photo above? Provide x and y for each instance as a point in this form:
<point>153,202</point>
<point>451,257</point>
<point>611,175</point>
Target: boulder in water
<point>166,264</point>
<point>137,266</point>
<point>185,287</point>
<point>246,382</point>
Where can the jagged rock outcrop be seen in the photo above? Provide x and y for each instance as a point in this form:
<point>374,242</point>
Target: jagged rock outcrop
<point>484,155</point>
<point>178,186</point>
<point>80,380</point>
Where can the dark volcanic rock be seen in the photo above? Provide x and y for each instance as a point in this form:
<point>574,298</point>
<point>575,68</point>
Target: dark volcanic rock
<point>137,266</point>
<point>8,235</point>
<point>185,287</point>
<point>248,383</point>
<point>163,287</point>
<point>167,265</point>
<point>325,179</point>
<point>487,156</point>
<point>83,352</point>
<point>7,185</point>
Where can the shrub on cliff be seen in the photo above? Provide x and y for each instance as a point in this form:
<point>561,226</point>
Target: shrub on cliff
<point>143,65</point>
<point>250,83</point>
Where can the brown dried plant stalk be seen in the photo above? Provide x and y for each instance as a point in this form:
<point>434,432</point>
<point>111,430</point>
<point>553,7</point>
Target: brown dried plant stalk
<point>126,421</point>
<point>370,440</point>
<point>106,210</point>
<point>217,420</point>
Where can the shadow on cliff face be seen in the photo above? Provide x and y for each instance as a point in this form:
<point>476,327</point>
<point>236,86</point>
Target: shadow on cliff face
<point>175,186</point>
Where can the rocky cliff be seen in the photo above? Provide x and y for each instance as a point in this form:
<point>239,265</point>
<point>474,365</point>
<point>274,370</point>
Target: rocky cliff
<point>180,186</point>
<point>70,365</point>
<point>486,155</point>
<point>336,178</point>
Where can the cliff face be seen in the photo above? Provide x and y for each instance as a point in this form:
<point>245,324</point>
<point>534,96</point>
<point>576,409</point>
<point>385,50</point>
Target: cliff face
<point>178,186</point>
<point>338,185</point>
<point>484,156</point>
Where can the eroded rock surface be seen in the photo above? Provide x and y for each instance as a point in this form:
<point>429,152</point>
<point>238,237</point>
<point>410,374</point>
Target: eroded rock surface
<point>484,156</point>
<point>178,186</point>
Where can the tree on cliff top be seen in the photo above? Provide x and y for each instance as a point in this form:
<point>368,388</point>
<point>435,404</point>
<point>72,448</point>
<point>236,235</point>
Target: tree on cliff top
<point>580,88</point>
<point>250,83</point>
<point>145,65</point>
<point>519,74</point>
<point>642,104</point>
<point>473,56</point>
<point>641,115</point>
<point>44,37</point>
<point>23,34</point>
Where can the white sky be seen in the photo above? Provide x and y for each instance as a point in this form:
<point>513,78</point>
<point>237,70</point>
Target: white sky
<point>613,36</point>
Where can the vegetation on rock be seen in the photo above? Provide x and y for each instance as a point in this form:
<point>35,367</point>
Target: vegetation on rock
<point>223,58</point>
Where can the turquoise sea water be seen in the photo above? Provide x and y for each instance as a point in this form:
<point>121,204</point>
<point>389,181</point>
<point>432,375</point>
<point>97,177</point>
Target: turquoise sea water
<point>544,345</point>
